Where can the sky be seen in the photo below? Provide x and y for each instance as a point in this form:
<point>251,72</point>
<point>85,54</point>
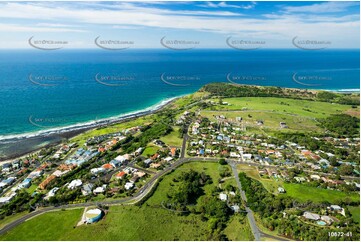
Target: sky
<point>204,24</point>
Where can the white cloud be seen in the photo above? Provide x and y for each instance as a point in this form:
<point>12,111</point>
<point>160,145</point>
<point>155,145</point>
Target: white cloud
<point>36,29</point>
<point>324,7</point>
<point>227,5</point>
<point>75,18</point>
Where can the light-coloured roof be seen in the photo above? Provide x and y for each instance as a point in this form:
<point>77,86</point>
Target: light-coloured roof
<point>92,213</point>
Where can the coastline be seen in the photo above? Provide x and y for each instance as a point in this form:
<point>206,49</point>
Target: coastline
<point>35,141</point>
<point>55,136</point>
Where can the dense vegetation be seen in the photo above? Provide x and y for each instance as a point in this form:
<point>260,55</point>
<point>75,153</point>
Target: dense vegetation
<point>188,197</point>
<point>271,208</point>
<point>342,124</point>
<point>188,189</point>
<point>232,90</point>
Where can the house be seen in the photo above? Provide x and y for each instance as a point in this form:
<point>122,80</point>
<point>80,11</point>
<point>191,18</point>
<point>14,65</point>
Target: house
<point>168,159</point>
<point>140,174</point>
<point>74,184</point>
<point>311,216</point>
<point>96,171</point>
<point>7,167</point>
<point>5,200</point>
<point>120,175</point>
<point>107,166</point>
<point>235,208</point>
<point>155,165</point>
<point>16,164</point>
<point>281,190</point>
<point>121,158</point>
<point>300,179</point>
<point>147,162</point>
<point>46,182</point>
<point>116,163</point>
<point>26,183</point>
<point>87,189</point>
<point>100,190</point>
<point>234,155</point>
<point>52,192</point>
<point>129,185</point>
<point>223,196</point>
<point>158,142</point>
<point>327,219</point>
<point>134,179</point>
<point>7,182</point>
<point>138,151</point>
<point>315,177</point>
<point>59,173</point>
<point>173,151</point>
<point>283,125</point>
<point>155,156</point>
<point>246,156</point>
<point>129,170</point>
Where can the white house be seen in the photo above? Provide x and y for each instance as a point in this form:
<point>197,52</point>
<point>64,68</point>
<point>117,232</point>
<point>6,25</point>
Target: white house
<point>74,184</point>
<point>129,185</point>
<point>223,196</point>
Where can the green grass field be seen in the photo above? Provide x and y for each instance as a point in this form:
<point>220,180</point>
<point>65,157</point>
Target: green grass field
<point>150,150</point>
<point>172,139</point>
<point>49,226</point>
<point>299,115</point>
<point>304,193</point>
<point>238,229</point>
<point>9,219</point>
<point>32,189</point>
<point>285,105</point>
<point>355,211</point>
<point>129,222</point>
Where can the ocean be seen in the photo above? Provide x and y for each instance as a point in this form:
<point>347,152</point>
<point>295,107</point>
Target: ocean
<point>44,90</point>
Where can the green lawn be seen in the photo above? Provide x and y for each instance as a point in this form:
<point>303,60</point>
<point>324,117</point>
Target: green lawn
<point>150,150</point>
<point>299,107</point>
<point>49,226</point>
<point>9,219</point>
<point>32,189</point>
<point>271,120</point>
<point>355,211</point>
<point>238,229</point>
<point>299,115</point>
<point>172,139</point>
<point>304,193</point>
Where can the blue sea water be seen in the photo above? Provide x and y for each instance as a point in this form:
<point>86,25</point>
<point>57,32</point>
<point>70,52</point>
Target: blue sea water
<point>40,90</point>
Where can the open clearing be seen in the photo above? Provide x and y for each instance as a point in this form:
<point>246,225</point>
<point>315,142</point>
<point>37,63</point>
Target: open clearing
<point>172,138</point>
<point>299,115</point>
<point>355,211</point>
<point>304,193</point>
<point>301,192</point>
<point>147,222</point>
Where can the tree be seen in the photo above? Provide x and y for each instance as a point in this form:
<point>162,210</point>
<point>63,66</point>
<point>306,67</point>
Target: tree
<point>223,161</point>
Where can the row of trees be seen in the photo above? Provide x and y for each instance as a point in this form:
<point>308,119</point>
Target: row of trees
<point>342,124</point>
<point>230,90</point>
